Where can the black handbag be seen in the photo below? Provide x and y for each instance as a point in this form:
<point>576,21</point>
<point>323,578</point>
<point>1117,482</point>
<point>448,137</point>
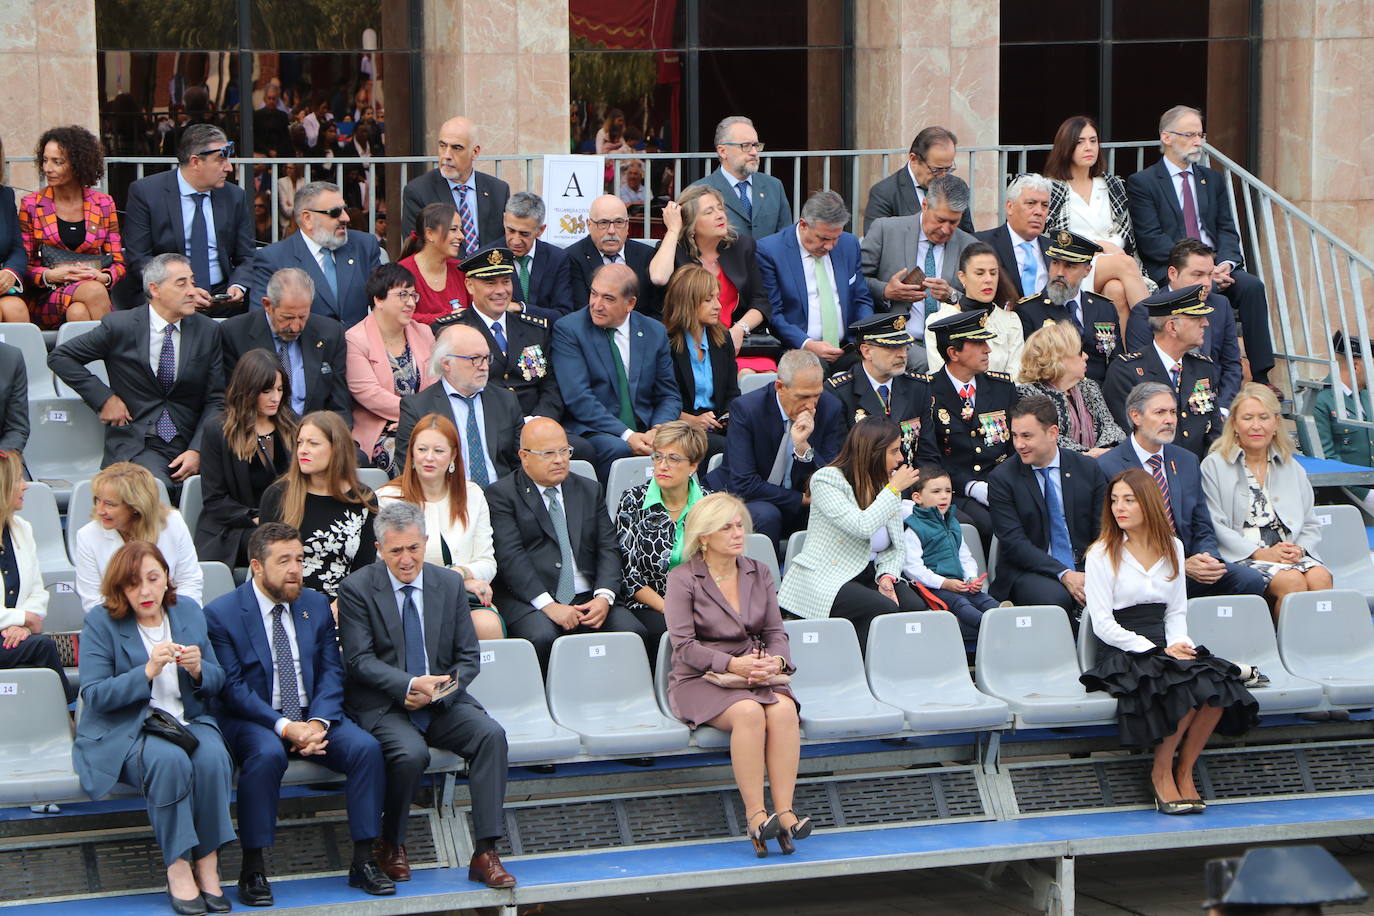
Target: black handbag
<point>162,724</point>
<point>56,256</point>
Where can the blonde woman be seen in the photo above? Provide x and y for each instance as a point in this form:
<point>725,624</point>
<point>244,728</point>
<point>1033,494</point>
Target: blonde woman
<point>1053,364</point>
<point>126,506</point>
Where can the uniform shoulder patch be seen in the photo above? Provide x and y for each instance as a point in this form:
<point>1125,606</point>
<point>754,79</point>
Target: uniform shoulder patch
<point>1000,376</point>
<point>1201,356</point>
<point>1028,298</point>
<point>839,379</point>
<point>535,320</point>
<point>918,376</point>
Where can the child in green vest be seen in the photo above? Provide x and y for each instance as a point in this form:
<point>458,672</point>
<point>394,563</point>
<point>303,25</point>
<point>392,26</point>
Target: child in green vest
<point>936,556</point>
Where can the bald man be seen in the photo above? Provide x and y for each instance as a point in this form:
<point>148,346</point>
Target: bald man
<point>610,239</point>
<point>479,197</point>
<point>556,578</point>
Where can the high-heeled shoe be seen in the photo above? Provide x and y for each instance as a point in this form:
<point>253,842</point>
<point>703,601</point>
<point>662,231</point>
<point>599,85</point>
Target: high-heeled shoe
<point>1197,804</point>
<point>194,906</point>
<point>768,828</point>
<point>801,829</point>
<point>785,842</point>
<point>1170,807</point>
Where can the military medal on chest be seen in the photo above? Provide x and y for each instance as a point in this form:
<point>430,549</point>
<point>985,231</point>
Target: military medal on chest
<point>532,363</point>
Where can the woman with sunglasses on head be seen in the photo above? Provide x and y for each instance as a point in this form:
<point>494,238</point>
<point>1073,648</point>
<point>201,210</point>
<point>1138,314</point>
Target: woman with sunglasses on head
<point>388,358</point>
<point>432,252</point>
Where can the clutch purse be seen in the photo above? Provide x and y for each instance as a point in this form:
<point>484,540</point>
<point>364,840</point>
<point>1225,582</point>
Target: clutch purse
<point>56,256</point>
<point>162,724</point>
<point>726,679</point>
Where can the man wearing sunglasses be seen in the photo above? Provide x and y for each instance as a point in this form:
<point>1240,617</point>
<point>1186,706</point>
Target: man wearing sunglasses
<point>610,240</point>
<point>754,201</point>
<point>193,210</point>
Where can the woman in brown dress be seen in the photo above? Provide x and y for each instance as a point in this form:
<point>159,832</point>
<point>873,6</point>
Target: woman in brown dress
<point>723,620</point>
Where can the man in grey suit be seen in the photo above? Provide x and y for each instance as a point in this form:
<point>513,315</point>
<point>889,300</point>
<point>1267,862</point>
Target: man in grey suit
<point>406,634</point>
<point>931,241</point>
<point>755,202</point>
<point>337,259</point>
<point>931,155</point>
<point>480,198</point>
<point>165,362</point>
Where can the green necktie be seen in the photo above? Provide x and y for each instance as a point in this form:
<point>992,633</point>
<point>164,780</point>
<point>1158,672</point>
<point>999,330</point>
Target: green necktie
<point>830,325</point>
<point>524,265</point>
<point>622,382</point>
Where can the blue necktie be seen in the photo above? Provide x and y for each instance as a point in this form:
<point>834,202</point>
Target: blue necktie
<point>287,685</point>
<point>415,648</point>
<point>932,304</point>
<point>1030,269</point>
<point>331,275</point>
<point>1061,547</point>
<point>1075,314</point>
<point>498,335</point>
<point>884,395</point>
<point>743,189</point>
<point>200,242</point>
<point>167,376</point>
<point>477,456</point>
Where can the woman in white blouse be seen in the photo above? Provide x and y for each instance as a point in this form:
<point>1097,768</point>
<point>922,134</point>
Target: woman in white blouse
<point>126,506</point>
<point>1171,694</point>
<point>456,515</point>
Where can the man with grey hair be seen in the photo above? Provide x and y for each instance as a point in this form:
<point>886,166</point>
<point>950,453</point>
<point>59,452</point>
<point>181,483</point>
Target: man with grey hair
<point>1178,198</point>
<point>931,156</point>
<point>911,264</point>
<point>338,259</point>
<point>408,684</point>
<point>754,201</point>
<point>479,198</point>
<point>811,274</point>
<point>310,348</point>
<point>543,278</point>
<point>778,436</point>
<point>193,210</point>
<point>1018,242</point>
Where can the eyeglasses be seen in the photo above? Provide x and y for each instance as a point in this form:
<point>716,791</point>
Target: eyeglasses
<point>747,147</point>
<point>550,453</point>
<point>608,223</point>
<point>332,212</point>
<point>1188,134</point>
<point>227,149</point>
<point>937,171</point>
<point>672,460</point>
<point>406,295</point>
<point>478,362</point>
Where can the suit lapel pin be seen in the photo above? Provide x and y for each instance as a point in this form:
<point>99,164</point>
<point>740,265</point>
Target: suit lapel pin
<point>305,615</point>
<point>350,260</point>
<point>319,344</point>
<point>1202,180</point>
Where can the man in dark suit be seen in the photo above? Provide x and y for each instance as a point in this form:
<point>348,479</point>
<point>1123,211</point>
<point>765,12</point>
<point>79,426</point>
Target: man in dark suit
<point>778,436</point>
<point>402,644</point>
<point>542,281</point>
<point>755,202</point>
<point>165,361</point>
<point>558,566</point>
<point>283,697</point>
<point>1064,299</point>
<point>1178,319</point>
<point>14,399</point>
<point>1193,263</point>
<point>310,347</point>
<point>1151,409</point>
<point>812,274</point>
<point>615,370</point>
<point>1179,198</point>
<point>881,385</point>
<point>193,210</point>
<point>480,198</point>
<point>1018,242</point>
<point>931,155</point>
<point>608,242</point>
<point>1047,507</point>
<point>488,417</point>
<point>338,260</point>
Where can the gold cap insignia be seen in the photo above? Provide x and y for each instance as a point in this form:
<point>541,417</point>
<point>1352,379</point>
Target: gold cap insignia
<point>899,323</point>
<point>1064,238</point>
<point>494,258</point>
<point>983,320</point>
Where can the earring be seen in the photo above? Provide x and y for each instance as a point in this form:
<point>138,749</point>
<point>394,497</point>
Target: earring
<point>452,467</point>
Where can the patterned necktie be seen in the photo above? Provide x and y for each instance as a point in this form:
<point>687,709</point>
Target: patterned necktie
<point>287,685</point>
<point>523,263</point>
<point>416,666</point>
<point>626,415</point>
<point>563,591</point>
<point>166,377</point>
<point>283,360</point>
<point>200,242</point>
<point>932,304</point>
<point>498,335</point>
<point>884,395</point>
<point>825,299</point>
<point>460,198</point>
<point>1190,223</point>
<point>331,273</point>
<point>743,189</point>
<point>1061,547</point>
<point>477,455</point>
<point>1155,464</point>
<point>1030,270</point>
<point>1176,374</point>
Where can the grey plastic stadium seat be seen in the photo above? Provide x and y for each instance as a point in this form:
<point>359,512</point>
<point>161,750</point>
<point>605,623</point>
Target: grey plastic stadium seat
<point>1026,658</point>
<point>994,549</point>
<point>511,688</point>
<point>28,340</point>
<point>706,736</point>
<point>66,443</point>
<point>599,686</point>
<point>625,473</point>
<point>756,381</point>
<point>1327,637</point>
<point>1240,629</point>
<point>79,509</point>
<point>217,580</point>
<point>975,547</point>
<point>916,663</point>
<point>830,683</point>
<point>1344,548</point>
<point>40,511</point>
<point>66,332</point>
<point>373,478</point>
<point>36,747</point>
<point>716,461</point>
<point>191,502</point>
<point>583,469</point>
<point>760,547</point>
<point>794,546</point>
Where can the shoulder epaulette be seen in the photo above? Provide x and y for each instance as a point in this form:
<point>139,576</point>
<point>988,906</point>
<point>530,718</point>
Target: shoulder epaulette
<point>536,320</point>
<point>1202,356</point>
<point>918,376</point>
<point>839,379</point>
<point>1135,355</point>
<point>1000,376</point>
<point>1028,298</point>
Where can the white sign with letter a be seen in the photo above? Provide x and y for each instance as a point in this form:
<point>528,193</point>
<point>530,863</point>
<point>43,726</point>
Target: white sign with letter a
<point>571,183</point>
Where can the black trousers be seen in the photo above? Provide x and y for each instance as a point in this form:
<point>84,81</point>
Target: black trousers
<point>1248,297</point>
<point>539,629</point>
<point>157,455</point>
<point>859,602</point>
<point>1031,588</point>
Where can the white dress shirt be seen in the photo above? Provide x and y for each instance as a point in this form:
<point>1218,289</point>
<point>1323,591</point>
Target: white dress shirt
<point>914,567</point>
<point>166,688</point>
<point>1129,584</point>
<point>1041,272</point>
<point>734,183</point>
<point>188,212</point>
<point>1177,183</point>
<point>813,304</point>
<point>265,605</point>
<point>97,545</point>
<point>460,419</point>
<point>580,583</point>
<point>156,326</point>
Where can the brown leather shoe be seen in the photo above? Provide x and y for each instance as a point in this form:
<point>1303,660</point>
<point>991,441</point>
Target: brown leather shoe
<point>486,867</point>
<point>393,861</point>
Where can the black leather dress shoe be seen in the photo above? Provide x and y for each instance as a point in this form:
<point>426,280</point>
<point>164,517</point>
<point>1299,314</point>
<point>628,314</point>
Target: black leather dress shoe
<point>370,879</point>
<point>216,903</point>
<point>192,907</point>
<point>254,889</point>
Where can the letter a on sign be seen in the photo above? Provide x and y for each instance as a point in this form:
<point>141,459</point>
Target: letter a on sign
<point>573,189</point>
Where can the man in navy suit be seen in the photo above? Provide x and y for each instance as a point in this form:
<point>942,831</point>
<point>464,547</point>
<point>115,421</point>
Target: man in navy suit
<point>1177,198</point>
<point>338,259</point>
<point>1018,242</point>
<point>814,278</point>
<point>778,436</point>
<point>542,281</point>
<point>608,242</point>
<point>282,698</point>
<point>479,198</point>
<point>754,201</point>
<point>193,210</point>
<point>1154,414</point>
<point>615,371</point>
<point>1047,510</point>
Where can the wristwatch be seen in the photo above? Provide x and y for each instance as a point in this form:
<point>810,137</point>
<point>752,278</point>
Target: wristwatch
<point>955,296</point>
<point>807,456</point>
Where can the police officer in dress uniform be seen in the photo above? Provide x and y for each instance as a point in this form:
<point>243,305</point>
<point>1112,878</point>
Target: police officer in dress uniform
<point>881,385</point>
<point>1178,319</point>
<point>968,431</point>
<point>1064,299</point>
